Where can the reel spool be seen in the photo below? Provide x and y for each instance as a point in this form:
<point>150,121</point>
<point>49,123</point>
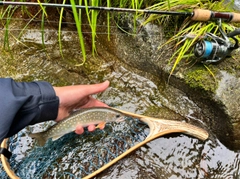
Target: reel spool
<point>212,49</point>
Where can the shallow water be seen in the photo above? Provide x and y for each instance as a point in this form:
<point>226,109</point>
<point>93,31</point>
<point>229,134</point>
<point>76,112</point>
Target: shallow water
<point>172,156</point>
<point>74,155</point>
<point>178,157</point>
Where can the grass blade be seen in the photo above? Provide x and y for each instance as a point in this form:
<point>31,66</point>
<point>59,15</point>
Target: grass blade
<point>79,29</point>
<point>59,29</point>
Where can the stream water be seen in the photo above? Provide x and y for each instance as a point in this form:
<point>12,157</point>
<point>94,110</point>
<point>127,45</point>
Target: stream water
<point>172,156</point>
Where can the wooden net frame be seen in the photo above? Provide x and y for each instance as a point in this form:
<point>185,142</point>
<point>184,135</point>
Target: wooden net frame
<point>158,127</point>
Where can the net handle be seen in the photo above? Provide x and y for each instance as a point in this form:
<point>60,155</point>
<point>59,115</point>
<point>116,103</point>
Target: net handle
<point>5,162</point>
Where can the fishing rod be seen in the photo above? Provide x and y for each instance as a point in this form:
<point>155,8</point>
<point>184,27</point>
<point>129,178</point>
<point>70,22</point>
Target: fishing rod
<point>210,49</point>
<point>196,15</point>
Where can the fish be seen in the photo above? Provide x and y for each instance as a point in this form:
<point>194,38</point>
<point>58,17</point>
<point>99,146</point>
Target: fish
<point>97,115</point>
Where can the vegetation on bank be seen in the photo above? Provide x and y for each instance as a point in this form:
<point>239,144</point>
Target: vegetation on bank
<point>198,77</point>
<point>183,27</point>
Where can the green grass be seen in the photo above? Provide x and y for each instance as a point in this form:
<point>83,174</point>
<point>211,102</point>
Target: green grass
<point>77,17</point>
<point>108,19</point>
<point>194,30</point>
<point>60,28</point>
<point>8,12</point>
<point>187,28</point>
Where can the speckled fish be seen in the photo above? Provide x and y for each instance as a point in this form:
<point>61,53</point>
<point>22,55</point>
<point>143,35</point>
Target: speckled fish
<point>83,117</point>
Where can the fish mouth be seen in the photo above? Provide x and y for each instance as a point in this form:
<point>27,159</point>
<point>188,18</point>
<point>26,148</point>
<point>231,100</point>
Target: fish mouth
<point>121,119</point>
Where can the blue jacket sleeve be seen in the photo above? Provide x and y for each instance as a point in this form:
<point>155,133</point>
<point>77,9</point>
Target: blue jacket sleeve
<point>23,104</point>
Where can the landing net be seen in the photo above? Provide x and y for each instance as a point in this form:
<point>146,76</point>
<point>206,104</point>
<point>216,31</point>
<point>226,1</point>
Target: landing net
<point>73,156</point>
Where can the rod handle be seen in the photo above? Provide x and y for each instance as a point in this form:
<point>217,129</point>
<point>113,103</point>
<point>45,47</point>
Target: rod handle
<point>206,15</point>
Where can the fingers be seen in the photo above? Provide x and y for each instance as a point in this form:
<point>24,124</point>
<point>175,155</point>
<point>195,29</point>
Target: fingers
<point>79,129</point>
<point>78,96</point>
<point>96,88</point>
<point>78,92</point>
<point>91,128</point>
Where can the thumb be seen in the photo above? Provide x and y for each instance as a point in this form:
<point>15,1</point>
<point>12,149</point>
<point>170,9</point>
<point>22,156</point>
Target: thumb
<point>97,88</point>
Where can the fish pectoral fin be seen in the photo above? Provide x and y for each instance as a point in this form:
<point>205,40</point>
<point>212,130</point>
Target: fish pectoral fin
<point>101,125</point>
<point>56,137</point>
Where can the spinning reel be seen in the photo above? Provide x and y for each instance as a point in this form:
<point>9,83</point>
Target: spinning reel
<point>212,49</point>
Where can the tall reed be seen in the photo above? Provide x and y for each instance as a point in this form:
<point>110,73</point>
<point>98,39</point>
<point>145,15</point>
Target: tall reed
<point>183,47</point>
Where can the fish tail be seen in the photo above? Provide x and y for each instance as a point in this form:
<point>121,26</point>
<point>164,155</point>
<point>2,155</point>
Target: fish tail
<point>39,137</point>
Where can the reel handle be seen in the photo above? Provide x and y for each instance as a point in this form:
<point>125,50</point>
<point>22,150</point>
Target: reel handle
<point>234,33</point>
<point>205,15</point>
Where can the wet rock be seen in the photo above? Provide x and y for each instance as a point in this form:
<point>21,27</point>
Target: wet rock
<point>211,99</point>
<point>191,92</point>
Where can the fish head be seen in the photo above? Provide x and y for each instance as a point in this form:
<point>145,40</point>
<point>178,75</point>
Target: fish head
<point>115,117</point>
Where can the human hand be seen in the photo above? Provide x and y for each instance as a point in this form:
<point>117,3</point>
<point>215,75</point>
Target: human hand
<point>79,96</point>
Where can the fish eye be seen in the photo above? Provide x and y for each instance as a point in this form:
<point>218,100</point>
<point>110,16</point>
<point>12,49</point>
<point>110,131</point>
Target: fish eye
<point>118,115</point>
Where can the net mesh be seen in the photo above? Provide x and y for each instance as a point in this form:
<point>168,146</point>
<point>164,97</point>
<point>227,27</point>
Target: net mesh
<point>74,156</point>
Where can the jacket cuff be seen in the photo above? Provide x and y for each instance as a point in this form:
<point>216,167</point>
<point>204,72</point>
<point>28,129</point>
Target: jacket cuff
<point>49,103</point>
